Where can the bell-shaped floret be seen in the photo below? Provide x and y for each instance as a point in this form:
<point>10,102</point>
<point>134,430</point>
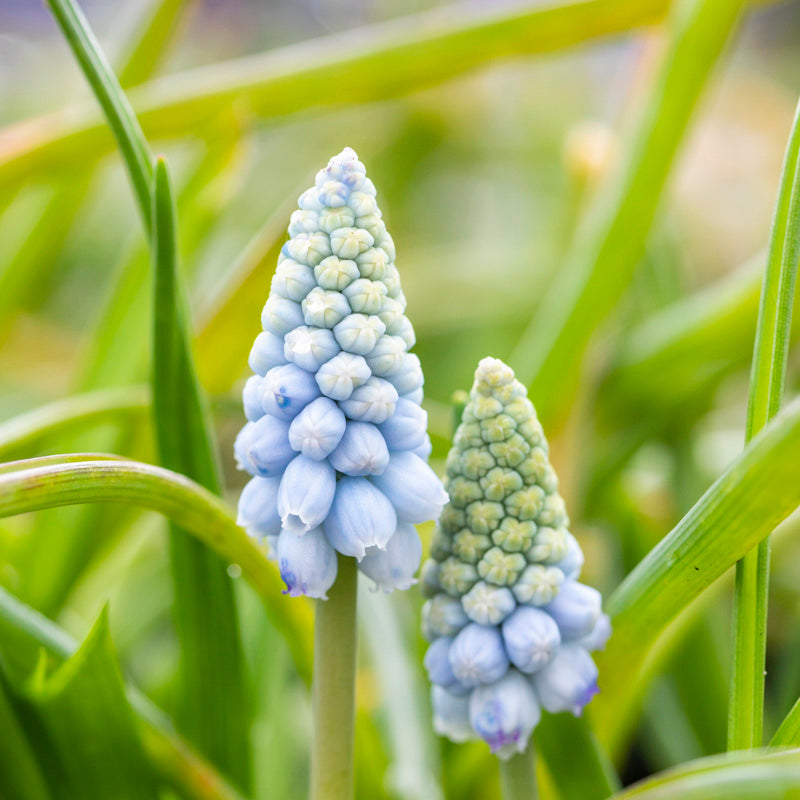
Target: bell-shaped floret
<point>477,655</point>
<point>406,429</point>
<point>568,682</point>
<point>307,248</point>
<point>317,429</point>
<point>504,714</point>
<point>442,615</point>
<point>361,451</point>
<point>375,401</point>
<point>258,507</point>
<point>451,715</point>
<point>340,376</point>
<point>307,563</point>
<point>437,662</point>
<point>350,242</point>
<point>266,353</point>
<point>366,297</point>
<point>265,449</point>
<point>280,315</point>
<point>575,609</point>
<point>596,638</point>
<point>488,605</point>
<point>361,516</point>
<point>306,493</point>
<point>538,584</point>
<point>394,567</point>
<point>531,638</point>
<point>387,355</point>
<point>413,488</point>
<point>358,333</point>
<point>335,274</point>
<point>287,390</point>
<point>310,348</point>
<point>251,398</point>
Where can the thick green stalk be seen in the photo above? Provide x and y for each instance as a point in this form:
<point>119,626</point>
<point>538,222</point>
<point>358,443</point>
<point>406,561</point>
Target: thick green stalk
<point>767,377</point>
<point>518,776</point>
<point>333,688</point>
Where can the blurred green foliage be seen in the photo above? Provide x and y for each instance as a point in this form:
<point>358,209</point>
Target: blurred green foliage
<point>594,201</point>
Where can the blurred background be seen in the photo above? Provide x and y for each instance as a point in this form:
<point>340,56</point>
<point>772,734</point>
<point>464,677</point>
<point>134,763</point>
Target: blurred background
<point>483,180</point>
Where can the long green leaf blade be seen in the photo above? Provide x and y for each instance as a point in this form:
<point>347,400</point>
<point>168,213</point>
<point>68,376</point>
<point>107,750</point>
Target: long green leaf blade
<point>212,704</point>
<point>115,105</point>
<point>369,64</point>
<point>21,776</point>
<point>24,632</point>
<point>609,245</point>
<point>742,507</point>
<point>757,776</point>
<point>767,377</point>
<point>188,505</point>
<point>87,726</point>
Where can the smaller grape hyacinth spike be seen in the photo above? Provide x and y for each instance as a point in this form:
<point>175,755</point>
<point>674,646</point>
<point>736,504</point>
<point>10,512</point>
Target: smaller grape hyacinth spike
<point>336,438</point>
<point>510,628</point>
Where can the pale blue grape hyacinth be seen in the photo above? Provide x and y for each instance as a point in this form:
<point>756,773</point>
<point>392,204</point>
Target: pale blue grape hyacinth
<point>336,439</point>
<point>511,628</point>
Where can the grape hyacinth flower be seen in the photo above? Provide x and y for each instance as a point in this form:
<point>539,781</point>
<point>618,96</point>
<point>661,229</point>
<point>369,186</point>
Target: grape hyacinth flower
<point>510,626</point>
<point>336,439</point>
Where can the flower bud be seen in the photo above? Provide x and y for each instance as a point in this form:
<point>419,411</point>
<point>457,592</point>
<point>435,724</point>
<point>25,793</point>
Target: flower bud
<point>451,715</point>
<point>442,616</point>
<point>437,662</point>
<point>362,451</point>
<point>477,655</point>
<point>267,352</point>
<point>394,567</point>
<point>598,636</point>
<point>258,507</point>
<point>575,609</point>
<point>317,429</point>
<point>281,315</point>
<point>268,450</point>
<point>287,390</point>
<point>531,638</point>
<point>340,376</point>
<point>488,605</point>
<point>406,428</point>
<point>412,487</point>
<point>307,563</point>
<point>504,714</point>
<point>568,682</point>
<point>251,398</point>
<point>358,333</point>
<point>310,348</point>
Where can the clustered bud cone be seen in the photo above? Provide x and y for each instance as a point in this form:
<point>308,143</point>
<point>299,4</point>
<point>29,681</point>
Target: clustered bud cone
<point>336,439</point>
<point>510,626</point>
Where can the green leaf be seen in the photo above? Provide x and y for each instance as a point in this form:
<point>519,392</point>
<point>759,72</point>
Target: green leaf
<point>767,378</point>
<point>86,727</point>
<point>188,505</point>
<point>23,634</point>
<point>212,703</point>
<point>742,507</point>
<point>369,64</point>
<point>737,776</point>
<point>21,777</point>
<point>24,434</point>
<point>115,105</point>
<point>609,245</point>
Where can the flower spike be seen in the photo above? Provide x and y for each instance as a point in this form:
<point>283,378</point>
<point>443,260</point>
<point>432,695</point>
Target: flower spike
<point>510,627</point>
<point>336,440</point>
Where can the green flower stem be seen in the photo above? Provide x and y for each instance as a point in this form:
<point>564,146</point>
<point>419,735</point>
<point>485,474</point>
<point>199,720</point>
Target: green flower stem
<point>518,776</point>
<point>767,377</point>
<point>333,687</point>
